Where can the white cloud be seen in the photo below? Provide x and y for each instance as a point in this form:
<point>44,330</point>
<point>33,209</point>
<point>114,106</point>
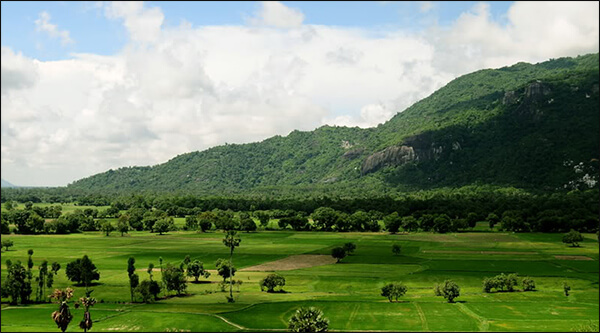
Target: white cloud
<point>180,89</point>
<point>143,24</point>
<point>43,24</point>
<point>278,15</point>
<point>18,72</point>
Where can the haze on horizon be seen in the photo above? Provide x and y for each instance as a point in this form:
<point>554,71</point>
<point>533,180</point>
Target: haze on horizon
<point>90,86</point>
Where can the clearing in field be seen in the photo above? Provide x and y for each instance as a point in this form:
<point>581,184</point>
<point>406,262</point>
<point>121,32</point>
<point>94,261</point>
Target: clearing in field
<point>293,262</point>
<point>573,258</point>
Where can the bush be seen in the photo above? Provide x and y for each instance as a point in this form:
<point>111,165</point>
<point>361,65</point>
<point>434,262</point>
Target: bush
<point>572,237</point>
<point>272,281</point>
<point>393,290</point>
<point>338,253</point>
<point>528,284</point>
<point>449,290</point>
<point>308,320</point>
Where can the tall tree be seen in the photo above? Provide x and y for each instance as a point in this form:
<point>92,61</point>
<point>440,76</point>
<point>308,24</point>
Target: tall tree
<point>231,240</point>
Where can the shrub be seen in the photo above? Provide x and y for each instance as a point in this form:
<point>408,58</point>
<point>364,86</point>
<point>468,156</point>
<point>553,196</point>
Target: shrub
<point>308,320</point>
<point>272,281</point>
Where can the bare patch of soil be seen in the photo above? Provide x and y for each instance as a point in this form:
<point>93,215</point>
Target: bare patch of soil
<point>477,252</point>
<point>573,258</point>
<point>293,262</point>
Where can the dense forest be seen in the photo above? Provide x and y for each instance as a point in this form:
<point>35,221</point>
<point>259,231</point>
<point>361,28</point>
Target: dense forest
<point>534,127</point>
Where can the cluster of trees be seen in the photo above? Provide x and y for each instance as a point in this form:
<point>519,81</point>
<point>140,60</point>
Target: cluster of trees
<point>341,252</point>
<point>19,279</point>
<point>454,209</point>
<point>507,282</point>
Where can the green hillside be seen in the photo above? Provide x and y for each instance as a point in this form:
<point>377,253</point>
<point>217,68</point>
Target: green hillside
<point>529,126</point>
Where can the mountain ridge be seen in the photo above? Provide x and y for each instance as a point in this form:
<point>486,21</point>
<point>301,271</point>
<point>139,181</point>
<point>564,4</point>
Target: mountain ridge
<point>521,107</point>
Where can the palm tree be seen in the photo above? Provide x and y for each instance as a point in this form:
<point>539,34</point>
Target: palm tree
<point>231,240</point>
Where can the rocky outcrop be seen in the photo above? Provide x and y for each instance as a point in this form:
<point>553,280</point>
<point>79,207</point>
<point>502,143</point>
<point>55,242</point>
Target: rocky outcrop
<point>394,155</point>
<point>352,154</point>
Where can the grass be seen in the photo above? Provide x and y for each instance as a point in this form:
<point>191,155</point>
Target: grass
<point>348,292</point>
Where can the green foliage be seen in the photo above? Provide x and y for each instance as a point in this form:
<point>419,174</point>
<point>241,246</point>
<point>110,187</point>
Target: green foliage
<point>349,247</point>
<point>164,225</point>
<point>196,269</point>
<point>572,237</point>
<point>308,319</point>
<point>393,291</point>
<point>271,281</point>
<point>396,249</point>
<point>528,284</point>
<point>17,283</point>
<point>338,253</point>
<point>449,290</point>
<point>392,222</point>
<point>224,268</point>
<point>6,243</point>
<point>503,282</point>
<point>82,271</point>
<point>566,288</point>
<point>174,279</point>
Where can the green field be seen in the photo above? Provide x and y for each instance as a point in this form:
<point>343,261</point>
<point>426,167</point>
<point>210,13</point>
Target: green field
<point>347,292</point>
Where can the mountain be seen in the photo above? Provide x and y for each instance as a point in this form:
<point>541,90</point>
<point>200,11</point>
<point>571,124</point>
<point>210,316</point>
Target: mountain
<point>6,184</point>
<point>528,126</point>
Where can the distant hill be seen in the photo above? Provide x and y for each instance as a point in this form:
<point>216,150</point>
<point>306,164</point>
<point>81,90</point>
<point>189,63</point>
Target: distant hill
<point>6,184</point>
<point>528,126</point>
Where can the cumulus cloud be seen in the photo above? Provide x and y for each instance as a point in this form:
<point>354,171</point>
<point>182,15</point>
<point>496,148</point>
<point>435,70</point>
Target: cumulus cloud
<point>143,24</point>
<point>43,24</point>
<point>173,90</point>
<point>18,72</point>
<point>278,15</point>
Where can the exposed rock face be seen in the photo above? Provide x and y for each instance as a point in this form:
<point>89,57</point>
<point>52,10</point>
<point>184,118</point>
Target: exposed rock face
<point>536,90</point>
<point>509,98</point>
<point>393,155</point>
<point>352,154</point>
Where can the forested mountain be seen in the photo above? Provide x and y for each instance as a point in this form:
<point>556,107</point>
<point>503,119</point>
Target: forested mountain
<point>528,126</point>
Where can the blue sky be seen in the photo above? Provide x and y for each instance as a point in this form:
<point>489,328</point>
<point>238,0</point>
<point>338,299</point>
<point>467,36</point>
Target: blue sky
<point>93,33</point>
<point>92,86</point>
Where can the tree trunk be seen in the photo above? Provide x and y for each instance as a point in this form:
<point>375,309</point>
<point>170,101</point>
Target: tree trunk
<point>230,275</point>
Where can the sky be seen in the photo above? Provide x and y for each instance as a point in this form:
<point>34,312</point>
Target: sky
<point>92,86</point>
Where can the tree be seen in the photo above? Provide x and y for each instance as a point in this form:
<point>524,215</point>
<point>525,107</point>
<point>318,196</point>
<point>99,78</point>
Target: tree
<point>122,225</point>
<point>573,237</point>
<point>325,218</point>
<point>82,271</point>
<point>41,280</point>
<point>134,279</point>
<point>196,269</point>
<point>63,316</point>
<point>5,228</point>
<point>393,291</point>
<point>528,284</point>
<point>396,249</point>
<point>87,302</point>
<point>263,217</point>
<point>247,224</point>
<point>492,219</point>
<point>409,223</point>
<point>224,269</point>
<point>272,281</point>
<point>308,320</point>
<point>231,240</point>
<point>566,288</point>
<point>349,247</point>
<point>442,224</point>
<point>165,224</point>
<point>338,253</point>
<point>206,220</point>
<point>392,222</point>
<point>191,223</point>
<point>472,219</point>
<point>106,227</point>
<point>150,269</point>
<point>16,285</point>
<point>6,243</point>
<point>174,279</point>
<point>143,290</point>
<point>449,290</point>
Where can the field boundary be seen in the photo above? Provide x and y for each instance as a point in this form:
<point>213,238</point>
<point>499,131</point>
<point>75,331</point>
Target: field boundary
<point>482,322</point>
<point>424,324</point>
